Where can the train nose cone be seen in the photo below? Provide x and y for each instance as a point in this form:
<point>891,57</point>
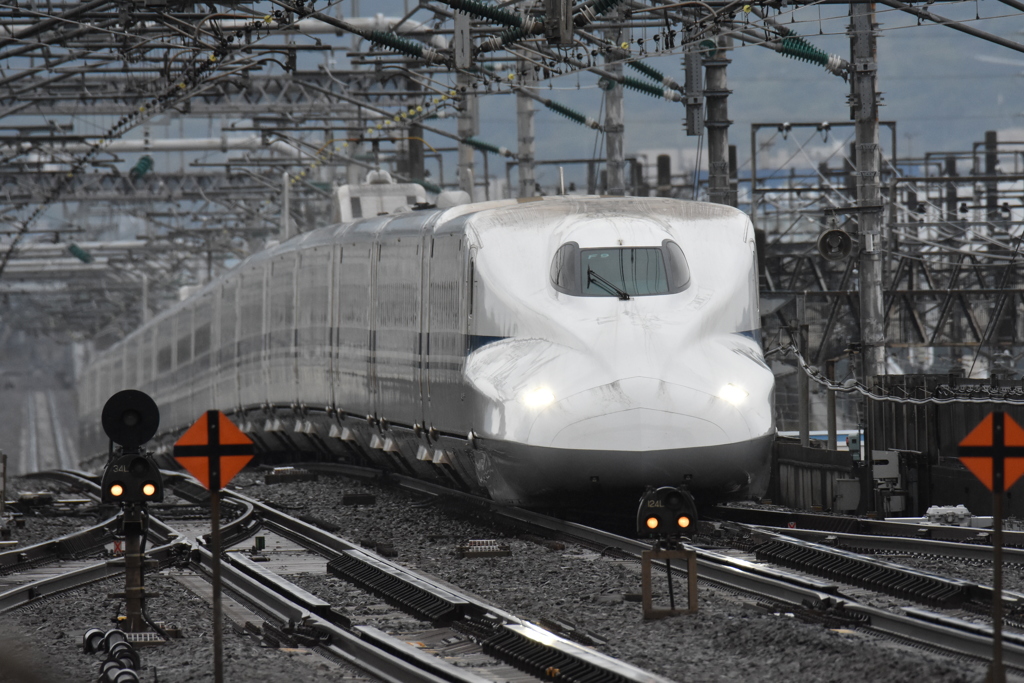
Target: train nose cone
<point>639,414</point>
<point>639,429</point>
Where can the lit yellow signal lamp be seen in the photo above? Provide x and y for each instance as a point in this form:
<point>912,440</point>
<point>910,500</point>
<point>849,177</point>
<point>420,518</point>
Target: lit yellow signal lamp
<point>666,513</point>
<point>132,478</point>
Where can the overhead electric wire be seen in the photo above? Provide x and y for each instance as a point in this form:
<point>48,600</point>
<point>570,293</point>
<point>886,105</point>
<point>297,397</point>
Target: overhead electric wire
<point>1009,396</point>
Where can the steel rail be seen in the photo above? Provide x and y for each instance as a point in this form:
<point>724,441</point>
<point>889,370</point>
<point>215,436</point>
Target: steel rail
<point>89,482</point>
<point>29,592</point>
<point>950,634</point>
<point>880,575</point>
<point>922,546</point>
<point>283,602</point>
<point>330,545</point>
<point>72,545</point>
<point>857,525</point>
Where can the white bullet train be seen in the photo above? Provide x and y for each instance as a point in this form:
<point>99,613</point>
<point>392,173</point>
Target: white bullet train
<point>540,350</point>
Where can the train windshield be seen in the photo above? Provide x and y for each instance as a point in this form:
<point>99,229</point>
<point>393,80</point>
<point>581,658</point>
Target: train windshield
<point>621,272</point>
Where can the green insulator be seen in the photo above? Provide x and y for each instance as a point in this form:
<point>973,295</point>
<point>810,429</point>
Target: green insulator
<point>798,48</point>
<point>643,87</point>
<point>428,186</point>
<point>566,112</point>
<point>481,145</point>
<point>485,11</point>
<point>396,43</point>
<point>648,71</point>
<point>79,253</point>
<point>141,167</point>
<point>602,6</point>
<point>512,35</point>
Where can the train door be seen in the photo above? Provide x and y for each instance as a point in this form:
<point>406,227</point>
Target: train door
<point>312,326</point>
<point>446,343</point>
<point>280,347</point>
<point>371,327</point>
<point>397,323</point>
<point>226,351</point>
<point>251,381</point>
<point>182,375</point>
<point>352,334</point>
<point>164,344</point>
<point>423,379</point>
<point>146,361</point>
<point>203,379</point>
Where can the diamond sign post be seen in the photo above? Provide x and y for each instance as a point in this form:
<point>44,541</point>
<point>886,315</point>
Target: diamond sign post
<point>994,452</point>
<point>214,450</point>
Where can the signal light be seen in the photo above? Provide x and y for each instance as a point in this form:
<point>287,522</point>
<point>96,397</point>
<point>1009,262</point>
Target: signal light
<point>130,418</point>
<point>666,513</point>
<point>132,478</point>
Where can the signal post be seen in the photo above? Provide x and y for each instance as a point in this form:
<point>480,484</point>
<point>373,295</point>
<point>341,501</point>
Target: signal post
<point>994,452</point>
<point>130,418</point>
<point>214,450</point>
<point>667,514</point>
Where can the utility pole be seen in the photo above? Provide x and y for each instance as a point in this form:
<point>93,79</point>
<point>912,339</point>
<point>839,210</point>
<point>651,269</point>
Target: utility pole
<point>468,113</point>
<point>145,298</point>
<point>864,101</point>
<point>413,166</point>
<point>614,119</point>
<point>526,134</point>
<point>717,124</point>
<point>285,206</point>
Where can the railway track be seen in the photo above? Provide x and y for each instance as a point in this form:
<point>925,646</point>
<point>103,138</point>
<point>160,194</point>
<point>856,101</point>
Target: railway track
<point>814,598</point>
<point>448,621</point>
<point>477,641</point>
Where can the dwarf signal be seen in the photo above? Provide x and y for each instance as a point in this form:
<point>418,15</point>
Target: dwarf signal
<point>666,512</point>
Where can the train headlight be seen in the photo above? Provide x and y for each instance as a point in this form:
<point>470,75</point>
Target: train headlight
<point>538,398</point>
<point>733,394</point>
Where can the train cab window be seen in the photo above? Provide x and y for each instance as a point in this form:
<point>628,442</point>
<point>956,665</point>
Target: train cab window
<point>565,269</point>
<point>678,269</point>
<point>620,272</point>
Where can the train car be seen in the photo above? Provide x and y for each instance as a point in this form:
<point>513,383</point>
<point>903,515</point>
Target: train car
<point>539,350</point>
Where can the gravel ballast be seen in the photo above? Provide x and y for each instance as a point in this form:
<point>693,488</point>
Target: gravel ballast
<point>730,639</point>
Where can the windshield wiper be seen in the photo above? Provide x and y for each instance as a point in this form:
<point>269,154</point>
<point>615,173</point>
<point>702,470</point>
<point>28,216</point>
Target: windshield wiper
<point>593,277</point>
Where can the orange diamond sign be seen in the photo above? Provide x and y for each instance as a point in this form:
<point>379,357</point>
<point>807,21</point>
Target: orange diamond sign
<point>994,451</point>
<point>213,450</point>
